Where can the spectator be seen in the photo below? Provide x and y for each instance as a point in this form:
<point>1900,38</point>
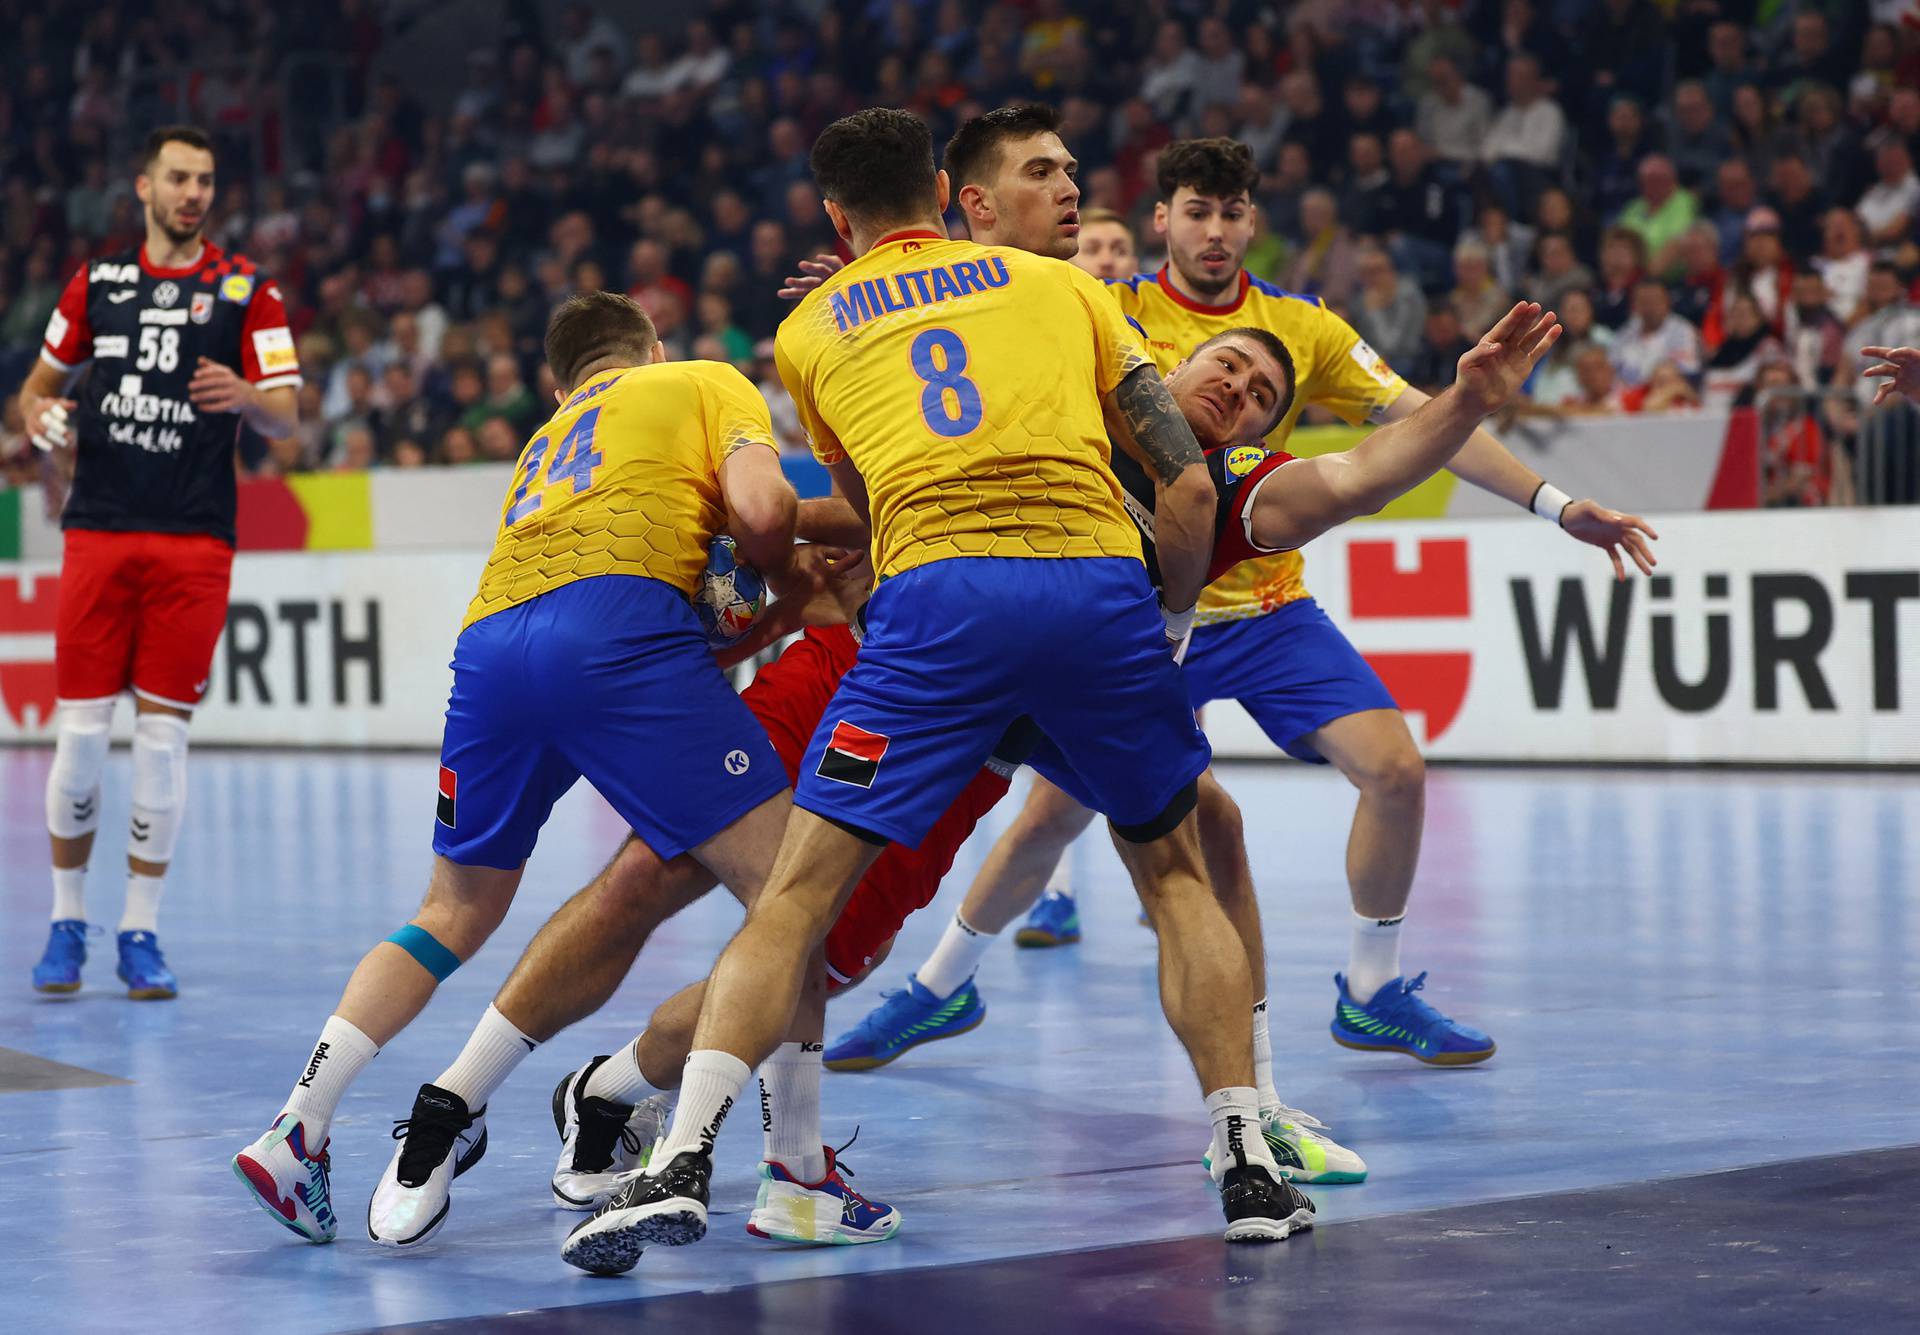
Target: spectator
<point>1752,129</point>
<point>1815,336</point>
<point>1830,145</point>
<point>1509,245</point>
<point>1843,262</point>
<point>1327,263</point>
<point>1697,292</point>
<point>702,65</point>
<point>1728,51</point>
<point>1623,259</point>
<point>1793,455</point>
<point>401,411</point>
<point>1623,47</point>
<point>1797,199</point>
<point>1454,116</point>
<point>1366,201</point>
<point>1260,122</point>
<point>1524,143</point>
<point>408,453</point>
<point>1420,213</point>
<point>714,314</point>
<point>1615,169</point>
<point>1476,298</point>
<point>457,446</point>
<point>1735,197</point>
<point>356,451</point>
<point>1696,138</point>
<point>1655,335</point>
<point>1309,123</point>
<point>1661,214</point>
<point>1442,344</point>
<point>1764,270</point>
<point>1810,58</point>
<point>1171,72</point>
<point>1388,311</point>
<point>1559,273</point>
<point>1556,381</point>
<point>581,34</point>
<point>507,396</point>
<point>1366,109</point>
<point>1748,344</point>
<point>499,442</point>
<point>1221,66</point>
<point>1666,390</point>
<point>1594,389</point>
<point>1890,205</point>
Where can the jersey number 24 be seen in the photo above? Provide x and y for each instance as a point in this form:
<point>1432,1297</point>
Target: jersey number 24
<point>573,462</point>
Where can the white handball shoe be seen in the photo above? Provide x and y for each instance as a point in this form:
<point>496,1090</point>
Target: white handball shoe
<point>289,1179</point>
<point>600,1141</point>
<point>1302,1149</point>
<point>439,1141</point>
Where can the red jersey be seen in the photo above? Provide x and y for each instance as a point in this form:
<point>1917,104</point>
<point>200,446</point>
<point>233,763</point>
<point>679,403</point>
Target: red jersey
<point>148,461</point>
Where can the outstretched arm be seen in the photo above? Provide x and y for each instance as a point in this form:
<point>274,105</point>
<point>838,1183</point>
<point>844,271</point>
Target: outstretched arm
<point>1309,496</point>
<point>1144,421</point>
<point>1489,465</point>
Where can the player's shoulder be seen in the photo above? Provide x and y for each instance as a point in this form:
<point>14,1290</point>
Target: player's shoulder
<point>114,266</point>
<point>1275,305</point>
<point>705,375</point>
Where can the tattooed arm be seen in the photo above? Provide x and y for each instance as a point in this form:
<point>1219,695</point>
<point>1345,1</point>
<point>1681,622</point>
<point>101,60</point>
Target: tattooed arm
<point>1144,421</point>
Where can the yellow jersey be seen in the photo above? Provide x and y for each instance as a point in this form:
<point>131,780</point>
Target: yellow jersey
<point>964,382</point>
<point>1335,369</point>
<point>623,480</point>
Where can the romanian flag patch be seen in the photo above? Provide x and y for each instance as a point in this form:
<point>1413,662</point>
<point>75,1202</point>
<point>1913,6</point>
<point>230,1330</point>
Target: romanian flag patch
<point>852,755</point>
<point>449,786</point>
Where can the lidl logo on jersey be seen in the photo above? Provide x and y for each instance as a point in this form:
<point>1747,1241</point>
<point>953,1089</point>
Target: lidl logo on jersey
<point>1243,459</point>
<point>236,287</point>
<point>853,755</point>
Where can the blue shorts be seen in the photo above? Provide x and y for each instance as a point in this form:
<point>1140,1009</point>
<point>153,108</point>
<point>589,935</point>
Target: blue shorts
<point>956,650</point>
<point>608,677</point>
<point>1291,669</point>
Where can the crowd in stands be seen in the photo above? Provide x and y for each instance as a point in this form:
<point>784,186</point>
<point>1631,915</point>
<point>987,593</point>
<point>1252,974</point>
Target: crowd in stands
<point>1715,194</point>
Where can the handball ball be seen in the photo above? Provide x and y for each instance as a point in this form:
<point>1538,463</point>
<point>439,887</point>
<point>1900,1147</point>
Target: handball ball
<point>732,594</point>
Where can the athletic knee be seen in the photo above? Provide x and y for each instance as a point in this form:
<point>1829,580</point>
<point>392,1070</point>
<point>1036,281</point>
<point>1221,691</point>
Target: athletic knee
<point>159,785</point>
<point>1394,773</point>
<point>80,747</point>
<point>1055,819</point>
<point>1220,819</point>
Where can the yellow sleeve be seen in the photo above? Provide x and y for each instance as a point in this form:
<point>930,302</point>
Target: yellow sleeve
<point>1117,348</point>
<point>1355,382</point>
<point>736,414</point>
<point>820,438</point>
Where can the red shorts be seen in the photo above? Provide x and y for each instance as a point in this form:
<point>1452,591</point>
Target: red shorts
<point>140,609</point>
<point>789,696</point>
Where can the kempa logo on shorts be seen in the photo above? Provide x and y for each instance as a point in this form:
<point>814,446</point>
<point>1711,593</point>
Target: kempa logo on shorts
<point>313,1067</point>
<point>737,762</point>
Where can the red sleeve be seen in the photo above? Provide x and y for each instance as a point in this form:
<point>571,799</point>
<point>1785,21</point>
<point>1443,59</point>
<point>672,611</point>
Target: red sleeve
<point>1231,545</point>
<point>69,337</point>
<point>267,357</point>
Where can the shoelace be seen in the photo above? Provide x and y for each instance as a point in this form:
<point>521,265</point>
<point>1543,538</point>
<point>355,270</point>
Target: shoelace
<point>597,1135</point>
<point>429,1137</point>
<point>837,1168</point>
<point>1306,1121</point>
<point>1404,1003</point>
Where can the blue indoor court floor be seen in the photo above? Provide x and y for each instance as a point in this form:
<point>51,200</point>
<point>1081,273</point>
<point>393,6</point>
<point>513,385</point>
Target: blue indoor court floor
<point>1687,973</point>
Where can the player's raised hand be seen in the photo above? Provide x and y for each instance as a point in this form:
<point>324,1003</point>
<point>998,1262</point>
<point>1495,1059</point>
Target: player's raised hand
<point>1500,363</point>
<point>1612,530</point>
<point>812,273</point>
<point>217,388</point>
<point>1898,368</point>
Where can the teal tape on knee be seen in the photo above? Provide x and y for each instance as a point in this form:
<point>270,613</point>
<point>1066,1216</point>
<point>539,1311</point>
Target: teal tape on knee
<point>428,953</point>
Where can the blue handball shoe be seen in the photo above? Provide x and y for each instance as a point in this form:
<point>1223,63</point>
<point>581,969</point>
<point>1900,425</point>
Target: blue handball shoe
<point>144,969</point>
<point>1396,1020</point>
<point>59,967</point>
<point>1054,921</point>
<point>903,1020</point>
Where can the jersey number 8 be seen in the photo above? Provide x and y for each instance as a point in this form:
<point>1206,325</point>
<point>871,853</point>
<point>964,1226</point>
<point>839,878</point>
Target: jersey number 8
<point>949,401</point>
<point>574,462</point>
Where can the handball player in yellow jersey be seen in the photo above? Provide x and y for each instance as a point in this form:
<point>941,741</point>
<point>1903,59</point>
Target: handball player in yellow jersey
<point>961,397</point>
<point>1260,639</point>
<point>579,656</point>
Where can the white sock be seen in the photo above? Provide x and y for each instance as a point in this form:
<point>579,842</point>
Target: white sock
<point>142,913</point>
<point>69,893</point>
<point>1373,961</point>
<point>337,1058</point>
<point>790,1110</point>
<point>1263,1059</point>
<point>620,1079</point>
<point>1236,1129</point>
<point>955,959</point>
<point>710,1084</point>
<point>491,1054</point>
<point>1060,883</point>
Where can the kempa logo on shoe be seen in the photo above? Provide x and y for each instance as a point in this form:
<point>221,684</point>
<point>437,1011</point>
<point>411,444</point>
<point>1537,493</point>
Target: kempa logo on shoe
<point>313,1067</point>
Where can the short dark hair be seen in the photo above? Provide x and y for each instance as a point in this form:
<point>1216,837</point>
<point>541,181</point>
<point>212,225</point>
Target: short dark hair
<point>877,165</point>
<point>1217,168</point>
<point>191,135</point>
<point>1269,340</point>
<point>973,154</point>
<point>594,326</point>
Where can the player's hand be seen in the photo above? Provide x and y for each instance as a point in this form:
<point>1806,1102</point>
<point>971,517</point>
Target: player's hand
<point>217,388</point>
<point>1899,368</point>
<point>49,422</point>
<point>1494,368</point>
<point>1179,630</point>
<point>812,273</point>
<point>1612,530</point>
